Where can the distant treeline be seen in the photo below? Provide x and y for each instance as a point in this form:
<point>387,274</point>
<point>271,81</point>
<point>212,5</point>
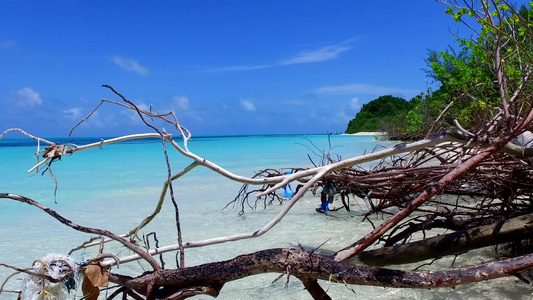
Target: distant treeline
<point>381,114</point>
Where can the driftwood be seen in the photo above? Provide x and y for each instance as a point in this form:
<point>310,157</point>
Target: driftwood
<point>476,183</point>
<point>307,266</point>
<point>459,241</point>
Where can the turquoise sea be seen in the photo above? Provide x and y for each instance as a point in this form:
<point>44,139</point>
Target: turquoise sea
<point>116,186</point>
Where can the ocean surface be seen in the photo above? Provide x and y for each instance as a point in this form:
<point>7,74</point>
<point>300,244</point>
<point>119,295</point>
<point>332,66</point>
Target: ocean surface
<point>116,186</point>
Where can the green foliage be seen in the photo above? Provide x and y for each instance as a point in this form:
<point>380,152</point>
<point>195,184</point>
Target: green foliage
<point>463,76</point>
<point>375,113</point>
<point>467,75</point>
<point>414,121</point>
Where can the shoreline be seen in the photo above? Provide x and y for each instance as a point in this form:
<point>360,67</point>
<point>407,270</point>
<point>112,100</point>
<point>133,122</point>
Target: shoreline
<point>365,133</point>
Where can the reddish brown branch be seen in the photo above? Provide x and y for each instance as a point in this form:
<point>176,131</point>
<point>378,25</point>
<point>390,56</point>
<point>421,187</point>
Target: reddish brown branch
<point>316,291</point>
<point>428,192</point>
<point>310,267</point>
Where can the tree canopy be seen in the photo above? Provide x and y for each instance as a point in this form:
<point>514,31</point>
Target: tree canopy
<point>375,113</point>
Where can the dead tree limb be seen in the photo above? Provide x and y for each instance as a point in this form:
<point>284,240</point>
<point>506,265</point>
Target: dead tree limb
<point>457,242</point>
<point>432,190</point>
<point>307,267</point>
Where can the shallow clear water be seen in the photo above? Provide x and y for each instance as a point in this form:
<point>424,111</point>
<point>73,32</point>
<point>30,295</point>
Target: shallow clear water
<point>115,187</point>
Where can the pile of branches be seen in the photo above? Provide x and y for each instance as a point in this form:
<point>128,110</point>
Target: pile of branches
<point>496,189</point>
<point>493,191</point>
<point>476,184</point>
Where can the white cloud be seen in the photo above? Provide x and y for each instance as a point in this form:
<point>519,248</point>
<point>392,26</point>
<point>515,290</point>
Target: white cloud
<point>133,115</point>
<point>354,103</point>
<point>323,54</point>
<point>238,68</point>
<point>182,102</point>
<point>341,117</point>
<point>72,113</point>
<point>143,106</point>
<point>130,65</point>
<point>361,88</point>
<point>26,97</point>
<point>8,44</point>
<point>247,105</point>
<point>94,121</point>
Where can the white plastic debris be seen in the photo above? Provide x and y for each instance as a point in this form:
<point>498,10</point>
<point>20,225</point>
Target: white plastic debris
<point>55,266</point>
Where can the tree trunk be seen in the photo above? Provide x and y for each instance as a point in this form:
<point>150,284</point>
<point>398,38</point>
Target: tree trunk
<point>460,241</point>
<point>310,267</point>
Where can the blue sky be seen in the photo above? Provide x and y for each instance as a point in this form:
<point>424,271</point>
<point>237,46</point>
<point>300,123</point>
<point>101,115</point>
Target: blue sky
<point>224,67</point>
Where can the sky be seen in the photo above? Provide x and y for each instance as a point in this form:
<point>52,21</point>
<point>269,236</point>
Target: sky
<point>232,67</point>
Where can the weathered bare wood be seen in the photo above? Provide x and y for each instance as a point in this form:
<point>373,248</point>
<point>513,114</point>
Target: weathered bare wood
<point>307,266</point>
<point>432,190</point>
<point>467,162</point>
<point>460,241</point>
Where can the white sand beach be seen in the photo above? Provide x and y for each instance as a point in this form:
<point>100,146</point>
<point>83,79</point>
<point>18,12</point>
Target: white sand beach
<point>365,133</point>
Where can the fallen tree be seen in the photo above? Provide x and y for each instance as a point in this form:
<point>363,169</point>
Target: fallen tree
<point>413,184</point>
<point>502,232</point>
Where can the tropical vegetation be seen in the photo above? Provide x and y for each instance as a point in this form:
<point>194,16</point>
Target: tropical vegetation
<point>466,78</point>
